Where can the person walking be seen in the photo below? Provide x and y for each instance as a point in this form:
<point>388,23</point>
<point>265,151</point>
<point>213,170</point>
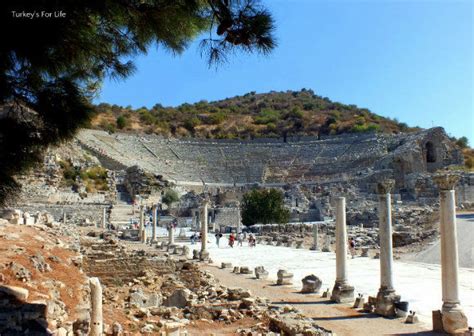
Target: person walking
<point>251,240</point>
<point>352,247</point>
<point>218,236</point>
<point>240,239</point>
<point>231,240</point>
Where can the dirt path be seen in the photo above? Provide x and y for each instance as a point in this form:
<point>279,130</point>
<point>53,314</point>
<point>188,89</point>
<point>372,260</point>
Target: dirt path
<point>339,318</point>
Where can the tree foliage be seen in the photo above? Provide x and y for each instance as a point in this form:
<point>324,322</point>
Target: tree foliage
<point>463,142</point>
<point>54,66</point>
<point>264,206</point>
<point>170,196</point>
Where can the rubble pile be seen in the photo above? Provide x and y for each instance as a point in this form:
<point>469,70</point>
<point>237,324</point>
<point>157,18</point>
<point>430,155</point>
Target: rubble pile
<point>159,293</point>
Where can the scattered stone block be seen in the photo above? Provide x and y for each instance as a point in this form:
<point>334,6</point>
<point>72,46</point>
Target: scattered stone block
<point>236,270</point>
<point>311,284</point>
<point>359,302</point>
<point>245,270</point>
<point>226,265</point>
<point>261,273</point>
<point>284,278</point>
<point>365,252</point>
<point>412,318</point>
<point>326,293</point>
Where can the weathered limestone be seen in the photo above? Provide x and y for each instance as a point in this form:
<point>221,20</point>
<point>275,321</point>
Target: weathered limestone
<point>261,273</point>
<point>204,254</point>
<point>311,284</point>
<point>245,270</point>
<point>315,246</point>
<point>284,277</point>
<point>154,223</point>
<point>342,291</point>
<point>96,327</point>
<point>452,316</point>
<point>386,296</point>
<point>359,302</point>
<point>226,265</point>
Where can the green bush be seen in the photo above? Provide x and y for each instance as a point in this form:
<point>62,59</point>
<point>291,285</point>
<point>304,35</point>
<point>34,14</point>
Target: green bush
<point>121,122</point>
<point>267,116</point>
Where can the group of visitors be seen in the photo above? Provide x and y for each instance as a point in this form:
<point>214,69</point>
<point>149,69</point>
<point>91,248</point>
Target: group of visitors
<point>241,237</point>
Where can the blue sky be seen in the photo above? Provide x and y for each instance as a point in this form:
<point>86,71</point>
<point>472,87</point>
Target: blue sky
<point>410,60</point>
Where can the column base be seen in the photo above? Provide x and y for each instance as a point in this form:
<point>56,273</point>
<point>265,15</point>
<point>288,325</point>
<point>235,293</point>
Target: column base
<point>204,255</point>
<point>385,302</point>
<point>453,318</point>
<point>342,293</point>
<point>314,248</point>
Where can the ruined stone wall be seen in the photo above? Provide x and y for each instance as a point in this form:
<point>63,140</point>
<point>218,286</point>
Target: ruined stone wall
<point>225,217</point>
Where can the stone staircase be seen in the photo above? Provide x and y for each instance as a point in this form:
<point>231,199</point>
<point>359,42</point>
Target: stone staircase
<point>122,209</point>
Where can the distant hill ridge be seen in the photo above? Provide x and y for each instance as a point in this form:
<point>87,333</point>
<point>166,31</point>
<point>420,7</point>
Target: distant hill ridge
<point>253,115</point>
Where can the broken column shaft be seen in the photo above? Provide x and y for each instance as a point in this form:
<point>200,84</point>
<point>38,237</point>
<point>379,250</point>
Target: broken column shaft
<point>204,253</point>
<point>154,223</point>
<point>96,327</point>
<point>315,246</point>
<point>142,231</point>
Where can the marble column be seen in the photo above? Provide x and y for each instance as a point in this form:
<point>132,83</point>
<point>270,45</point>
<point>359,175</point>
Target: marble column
<point>170,234</point>
<point>142,230</point>
<point>315,246</point>
<point>342,291</point>
<point>204,254</point>
<point>154,222</point>
<point>239,219</point>
<point>386,296</point>
<point>104,218</point>
<point>96,326</point>
<point>453,318</point>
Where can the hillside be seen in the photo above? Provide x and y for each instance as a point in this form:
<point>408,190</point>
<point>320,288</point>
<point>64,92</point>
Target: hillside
<point>252,115</point>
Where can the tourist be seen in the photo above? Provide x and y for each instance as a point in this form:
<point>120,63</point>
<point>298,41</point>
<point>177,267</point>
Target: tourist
<point>231,240</point>
<point>193,239</point>
<point>352,247</point>
<point>240,239</point>
<point>251,240</point>
<point>218,236</point>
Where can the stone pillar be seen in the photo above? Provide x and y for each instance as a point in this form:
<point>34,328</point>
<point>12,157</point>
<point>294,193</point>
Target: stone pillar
<point>171,234</point>
<point>386,296</point>
<point>213,221</point>
<point>315,246</point>
<point>452,315</point>
<point>154,222</point>
<point>239,224</point>
<point>142,231</point>
<point>204,255</point>
<point>104,218</point>
<point>342,291</point>
<point>64,218</point>
<point>97,326</point>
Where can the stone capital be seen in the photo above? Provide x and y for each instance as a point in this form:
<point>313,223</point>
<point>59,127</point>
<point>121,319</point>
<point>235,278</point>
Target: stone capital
<point>385,186</point>
<point>446,181</point>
